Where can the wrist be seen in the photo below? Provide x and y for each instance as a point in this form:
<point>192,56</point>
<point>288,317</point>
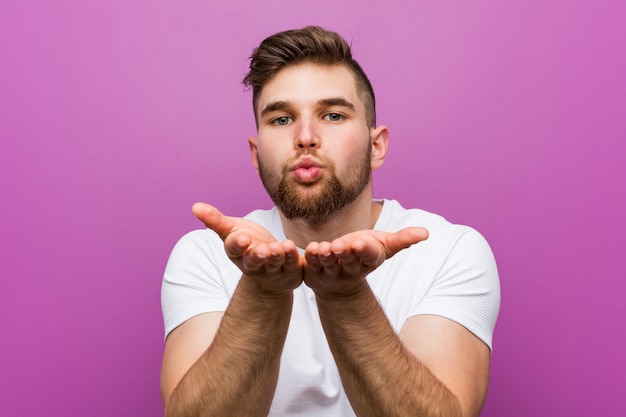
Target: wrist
<point>347,294</point>
<point>253,288</point>
<point>343,288</point>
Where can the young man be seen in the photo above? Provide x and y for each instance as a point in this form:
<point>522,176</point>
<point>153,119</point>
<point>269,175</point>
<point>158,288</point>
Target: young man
<point>331,303</point>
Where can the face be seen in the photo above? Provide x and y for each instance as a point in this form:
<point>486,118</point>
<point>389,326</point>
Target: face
<point>314,150</point>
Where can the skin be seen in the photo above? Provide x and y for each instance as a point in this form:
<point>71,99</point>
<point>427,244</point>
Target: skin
<point>434,367</point>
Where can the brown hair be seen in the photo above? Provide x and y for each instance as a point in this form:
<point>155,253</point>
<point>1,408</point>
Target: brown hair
<point>311,44</point>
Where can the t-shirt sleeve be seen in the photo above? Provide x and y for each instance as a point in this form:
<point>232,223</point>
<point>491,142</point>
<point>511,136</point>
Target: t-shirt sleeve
<point>467,288</point>
<point>195,280</point>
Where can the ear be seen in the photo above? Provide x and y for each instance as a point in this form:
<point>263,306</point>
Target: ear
<point>380,143</point>
<point>254,152</point>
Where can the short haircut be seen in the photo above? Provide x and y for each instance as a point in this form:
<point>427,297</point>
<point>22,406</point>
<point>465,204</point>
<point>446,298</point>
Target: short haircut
<point>311,44</point>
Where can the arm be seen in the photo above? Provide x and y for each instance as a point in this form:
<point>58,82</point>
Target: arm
<point>212,361</point>
<point>241,362</point>
<point>435,367</point>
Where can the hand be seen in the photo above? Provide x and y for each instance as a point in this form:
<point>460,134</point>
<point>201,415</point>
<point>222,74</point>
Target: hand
<point>339,268</point>
<point>272,267</point>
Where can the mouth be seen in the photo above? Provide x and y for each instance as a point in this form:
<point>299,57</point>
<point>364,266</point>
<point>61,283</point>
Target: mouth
<point>306,170</point>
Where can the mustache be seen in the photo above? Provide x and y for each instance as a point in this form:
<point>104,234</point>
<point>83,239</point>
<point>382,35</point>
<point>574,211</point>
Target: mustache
<point>310,155</point>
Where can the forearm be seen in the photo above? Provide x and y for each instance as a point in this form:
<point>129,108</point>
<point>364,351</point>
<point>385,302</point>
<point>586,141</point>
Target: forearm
<point>380,376</point>
<point>237,374</point>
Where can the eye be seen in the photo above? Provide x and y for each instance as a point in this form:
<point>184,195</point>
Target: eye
<point>282,121</point>
<point>334,117</point>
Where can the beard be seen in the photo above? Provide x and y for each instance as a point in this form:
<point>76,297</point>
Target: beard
<point>318,201</point>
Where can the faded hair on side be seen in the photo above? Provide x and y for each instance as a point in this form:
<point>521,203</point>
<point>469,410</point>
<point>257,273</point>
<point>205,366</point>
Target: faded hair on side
<point>311,44</point>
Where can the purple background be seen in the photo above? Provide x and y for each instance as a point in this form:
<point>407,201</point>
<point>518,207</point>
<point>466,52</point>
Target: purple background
<point>116,116</point>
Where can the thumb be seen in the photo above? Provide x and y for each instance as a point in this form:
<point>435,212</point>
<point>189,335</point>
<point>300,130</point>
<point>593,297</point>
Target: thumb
<point>213,219</point>
<point>404,238</point>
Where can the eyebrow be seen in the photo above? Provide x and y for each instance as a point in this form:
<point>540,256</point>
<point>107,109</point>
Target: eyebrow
<point>325,102</point>
<point>275,106</point>
<point>336,101</point>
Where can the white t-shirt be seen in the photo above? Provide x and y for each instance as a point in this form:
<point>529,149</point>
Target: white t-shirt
<point>452,274</point>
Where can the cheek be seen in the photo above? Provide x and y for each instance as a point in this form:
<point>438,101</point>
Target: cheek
<point>272,158</point>
<point>272,143</point>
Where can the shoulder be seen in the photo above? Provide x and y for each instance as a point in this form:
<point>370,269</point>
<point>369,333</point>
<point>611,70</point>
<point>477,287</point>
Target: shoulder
<point>394,217</point>
<point>455,271</point>
<point>451,250</point>
<point>195,243</point>
<point>393,214</point>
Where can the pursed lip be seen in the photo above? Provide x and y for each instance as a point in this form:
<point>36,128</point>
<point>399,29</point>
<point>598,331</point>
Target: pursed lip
<point>305,163</point>
<point>306,170</point>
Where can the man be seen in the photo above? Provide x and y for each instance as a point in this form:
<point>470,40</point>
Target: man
<point>330,304</point>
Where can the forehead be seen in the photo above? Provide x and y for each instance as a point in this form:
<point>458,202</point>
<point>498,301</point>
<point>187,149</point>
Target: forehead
<point>310,83</point>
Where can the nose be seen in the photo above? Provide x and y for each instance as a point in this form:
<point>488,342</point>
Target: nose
<point>306,135</point>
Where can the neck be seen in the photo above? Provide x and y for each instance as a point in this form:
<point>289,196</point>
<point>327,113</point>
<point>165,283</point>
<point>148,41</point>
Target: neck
<point>359,215</point>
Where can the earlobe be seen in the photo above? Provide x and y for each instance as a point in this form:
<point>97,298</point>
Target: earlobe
<point>380,143</point>
<point>254,152</point>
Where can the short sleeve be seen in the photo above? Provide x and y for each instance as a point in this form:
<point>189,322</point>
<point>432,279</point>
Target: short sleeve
<point>199,278</point>
<point>467,287</point>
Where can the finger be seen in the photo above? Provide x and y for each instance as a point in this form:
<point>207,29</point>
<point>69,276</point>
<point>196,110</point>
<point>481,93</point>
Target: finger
<point>276,258</point>
<point>370,252</point>
<point>339,247</point>
<point>292,256</point>
<point>213,219</point>
<point>311,257</point>
<point>402,239</point>
<point>256,258</point>
<point>237,244</point>
<point>350,262</point>
<point>326,257</point>
<point>324,249</point>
